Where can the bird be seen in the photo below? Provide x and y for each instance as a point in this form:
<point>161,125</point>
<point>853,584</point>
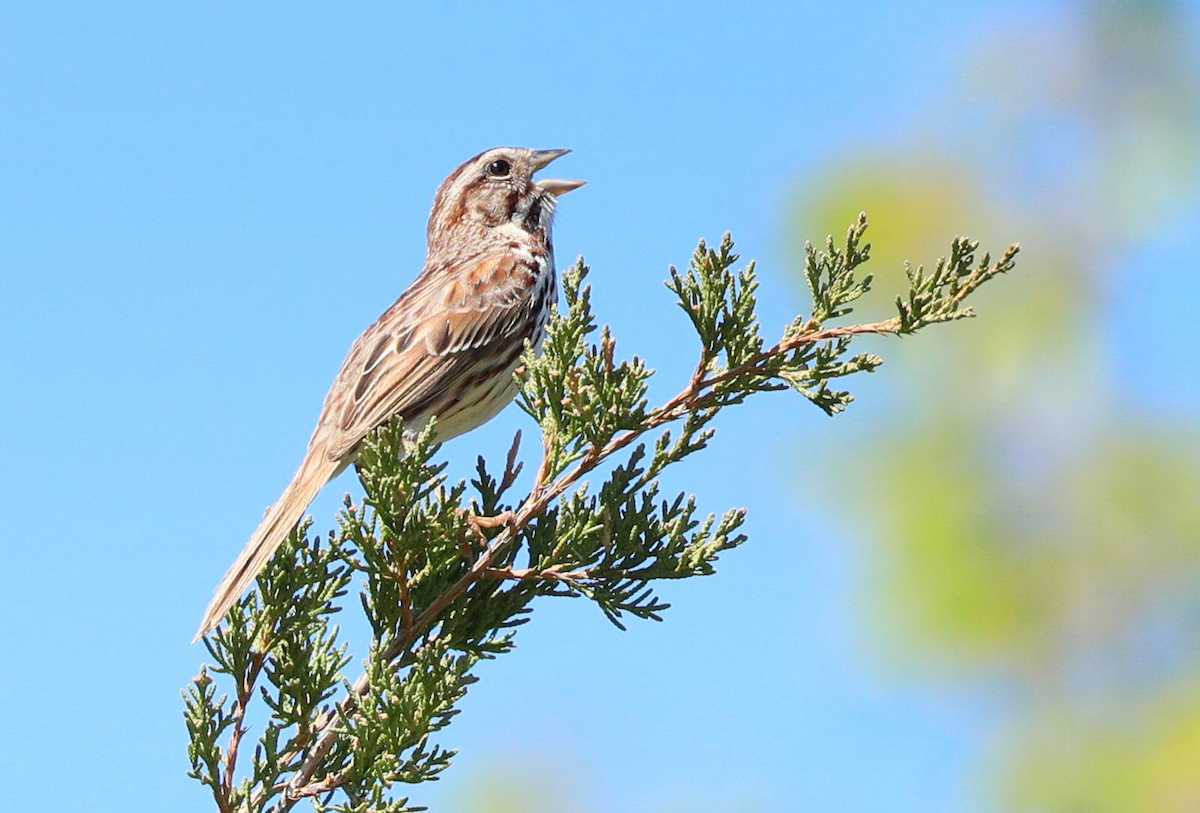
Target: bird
<point>448,347</point>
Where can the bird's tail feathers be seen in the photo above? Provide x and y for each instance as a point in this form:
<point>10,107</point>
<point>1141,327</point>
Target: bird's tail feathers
<point>314,473</point>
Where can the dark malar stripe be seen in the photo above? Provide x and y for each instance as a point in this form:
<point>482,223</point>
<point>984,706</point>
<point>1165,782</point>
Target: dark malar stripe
<point>533,218</point>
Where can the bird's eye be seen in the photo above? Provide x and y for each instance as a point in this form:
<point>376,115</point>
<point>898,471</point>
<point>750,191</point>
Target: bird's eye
<point>499,169</point>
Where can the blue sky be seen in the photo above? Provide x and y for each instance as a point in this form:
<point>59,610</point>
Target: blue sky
<point>202,206</point>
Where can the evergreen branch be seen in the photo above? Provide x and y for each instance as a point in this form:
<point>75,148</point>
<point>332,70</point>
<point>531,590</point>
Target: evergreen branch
<point>442,587</point>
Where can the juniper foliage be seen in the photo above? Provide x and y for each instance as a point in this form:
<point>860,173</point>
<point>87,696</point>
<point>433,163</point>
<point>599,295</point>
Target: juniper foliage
<point>448,571</point>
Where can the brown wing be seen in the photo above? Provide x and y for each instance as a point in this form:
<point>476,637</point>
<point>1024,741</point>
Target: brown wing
<point>448,324</point>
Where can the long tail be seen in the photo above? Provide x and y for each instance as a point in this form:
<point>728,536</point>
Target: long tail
<point>316,470</point>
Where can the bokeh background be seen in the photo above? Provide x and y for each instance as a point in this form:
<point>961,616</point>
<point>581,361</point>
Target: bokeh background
<point>978,590</point>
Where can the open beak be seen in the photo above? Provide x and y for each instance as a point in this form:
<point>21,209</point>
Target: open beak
<point>556,187</point>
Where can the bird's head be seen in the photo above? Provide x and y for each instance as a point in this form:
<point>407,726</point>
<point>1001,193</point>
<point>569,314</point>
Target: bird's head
<point>497,189</point>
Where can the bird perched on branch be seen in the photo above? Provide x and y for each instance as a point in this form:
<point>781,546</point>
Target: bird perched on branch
<point>449,345</point>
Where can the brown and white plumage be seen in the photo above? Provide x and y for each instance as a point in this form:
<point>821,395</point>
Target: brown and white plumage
<point>448,346</point>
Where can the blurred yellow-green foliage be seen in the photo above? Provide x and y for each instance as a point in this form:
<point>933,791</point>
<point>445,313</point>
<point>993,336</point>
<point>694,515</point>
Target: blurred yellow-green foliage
<point>534,786</point>
<point>1045,534</point>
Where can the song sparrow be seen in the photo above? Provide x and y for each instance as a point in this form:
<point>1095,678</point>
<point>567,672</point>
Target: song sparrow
<point>447,347</point>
